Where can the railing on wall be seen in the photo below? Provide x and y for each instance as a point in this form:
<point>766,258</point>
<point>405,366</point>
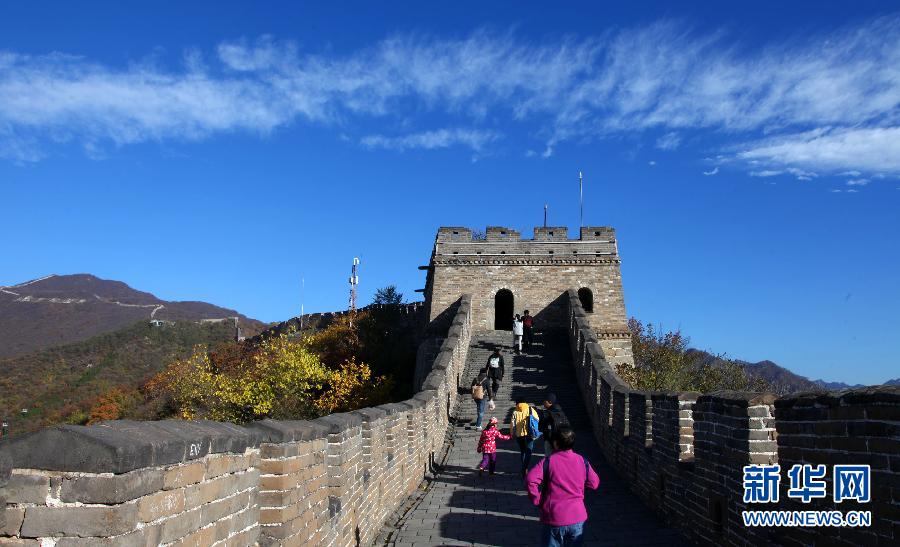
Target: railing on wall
<point>683,453</point>
<point>329,481</point>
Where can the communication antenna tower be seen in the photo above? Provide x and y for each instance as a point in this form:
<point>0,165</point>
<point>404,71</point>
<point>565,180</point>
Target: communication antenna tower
<point>354,281</point>
<point>581,197</point>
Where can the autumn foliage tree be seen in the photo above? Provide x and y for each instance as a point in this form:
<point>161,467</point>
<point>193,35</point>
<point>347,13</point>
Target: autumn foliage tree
<point>283,377</point>
<point>663,362</point>
<point>115,404</point>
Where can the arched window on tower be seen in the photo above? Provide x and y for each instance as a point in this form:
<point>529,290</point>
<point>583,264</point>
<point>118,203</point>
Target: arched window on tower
<point>587,299</point>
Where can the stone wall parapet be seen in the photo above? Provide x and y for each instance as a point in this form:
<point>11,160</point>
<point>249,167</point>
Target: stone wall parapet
<point>328,481</point>
<point>683,453</point>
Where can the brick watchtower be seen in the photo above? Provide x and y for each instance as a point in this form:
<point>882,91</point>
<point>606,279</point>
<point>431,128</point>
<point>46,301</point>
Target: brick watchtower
<point>506,274</point>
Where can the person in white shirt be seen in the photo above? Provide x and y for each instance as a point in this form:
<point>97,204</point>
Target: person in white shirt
<point>518,330</point>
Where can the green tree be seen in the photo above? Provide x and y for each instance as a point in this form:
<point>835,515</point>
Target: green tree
<point>388,295</point>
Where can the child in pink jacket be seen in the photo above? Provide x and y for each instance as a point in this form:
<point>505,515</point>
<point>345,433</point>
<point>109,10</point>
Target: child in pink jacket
<point>487,445</point>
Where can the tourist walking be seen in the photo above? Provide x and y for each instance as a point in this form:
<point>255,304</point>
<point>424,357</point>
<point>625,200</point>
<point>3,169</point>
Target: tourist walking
<point>552,418</point>
<point>523,427</point>
<point>496,369</point>
<point>557,485</point>
<point>487,446</point>
<point>518,329</point>
<point>482,394</point>
<point>528,325</point>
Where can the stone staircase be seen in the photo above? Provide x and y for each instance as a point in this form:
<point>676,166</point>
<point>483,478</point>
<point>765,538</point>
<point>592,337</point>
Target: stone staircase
<point>531,375</point>
<point>458,507</point>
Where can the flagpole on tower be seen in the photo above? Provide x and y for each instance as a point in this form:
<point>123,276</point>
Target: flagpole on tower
<point>581,196</point>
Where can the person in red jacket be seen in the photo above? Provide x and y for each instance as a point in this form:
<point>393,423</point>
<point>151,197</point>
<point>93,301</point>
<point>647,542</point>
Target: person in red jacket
<point>487,445</point>
<point>557,485</point>
<point>528,324</point>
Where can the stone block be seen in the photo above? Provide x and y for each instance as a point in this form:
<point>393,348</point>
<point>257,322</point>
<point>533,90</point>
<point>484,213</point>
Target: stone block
<point>179,526</point>
<point>81,521</point>
<point>26,488</point>
<point>13,521</point>
<point>120,446</point>
<point>161,504</point>
<point>114,489</point>
<point>145,537</point>
<point>184,475</point>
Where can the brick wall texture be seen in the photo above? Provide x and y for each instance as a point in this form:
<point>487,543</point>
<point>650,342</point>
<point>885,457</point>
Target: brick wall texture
<point>536,271</point>
<point>683,453</point>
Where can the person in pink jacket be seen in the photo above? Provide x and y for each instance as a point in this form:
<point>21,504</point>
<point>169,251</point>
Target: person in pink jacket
<point>557,484</point>
<point>487,445</point>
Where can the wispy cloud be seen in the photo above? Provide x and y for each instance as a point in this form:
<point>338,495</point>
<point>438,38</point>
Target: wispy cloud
<point>857,182</point>
<point>430,140</point>
<point>714,171</point>
<point>669,141</point>
<point>875,149</point>
<point>825,103</point>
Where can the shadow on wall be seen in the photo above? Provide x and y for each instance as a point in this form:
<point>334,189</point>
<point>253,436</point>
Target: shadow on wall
<point>440,324</point>
<point>553,316</point>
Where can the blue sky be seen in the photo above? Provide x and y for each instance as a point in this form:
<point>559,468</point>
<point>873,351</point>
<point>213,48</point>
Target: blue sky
<point>748,156</point>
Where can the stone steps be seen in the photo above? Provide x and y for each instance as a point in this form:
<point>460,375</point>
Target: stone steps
<point>459,507</point>
<point>546,368</point>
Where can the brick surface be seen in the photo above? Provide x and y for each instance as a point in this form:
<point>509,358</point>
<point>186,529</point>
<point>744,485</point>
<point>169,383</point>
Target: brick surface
<point>23,488</point>
<point>114,489</point>
<point>79,521</point>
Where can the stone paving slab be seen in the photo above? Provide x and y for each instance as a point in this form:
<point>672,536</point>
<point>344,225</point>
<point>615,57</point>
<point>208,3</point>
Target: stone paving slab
<point>461,508</point>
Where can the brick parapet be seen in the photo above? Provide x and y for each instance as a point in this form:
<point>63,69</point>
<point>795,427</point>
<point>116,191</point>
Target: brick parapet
<point>683,453</point>
<point>329,481</point>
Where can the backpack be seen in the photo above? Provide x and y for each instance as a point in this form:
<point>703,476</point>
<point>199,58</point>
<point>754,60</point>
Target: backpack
<point>531,426</point>
<point>477,392</point>
<point>555,418</point>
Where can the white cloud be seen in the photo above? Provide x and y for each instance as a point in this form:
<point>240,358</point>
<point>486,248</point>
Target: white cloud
<point>826,103</point>
<point>669,141</point>
<point>711,173</point>
<point>431,140</point>
<point>857,182</point>
<point>651,163</point>
<point>871,149</point>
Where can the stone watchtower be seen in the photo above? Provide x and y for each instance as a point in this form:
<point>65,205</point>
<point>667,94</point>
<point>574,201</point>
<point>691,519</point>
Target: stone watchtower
<point>506,274</point>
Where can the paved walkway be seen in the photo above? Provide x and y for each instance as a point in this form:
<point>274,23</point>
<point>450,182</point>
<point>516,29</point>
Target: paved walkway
<point>461,508</point>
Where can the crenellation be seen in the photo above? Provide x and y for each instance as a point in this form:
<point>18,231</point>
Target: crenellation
<point>683,453</point>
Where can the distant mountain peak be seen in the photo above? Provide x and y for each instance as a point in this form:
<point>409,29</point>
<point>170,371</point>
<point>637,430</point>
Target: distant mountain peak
<point>59,309</point>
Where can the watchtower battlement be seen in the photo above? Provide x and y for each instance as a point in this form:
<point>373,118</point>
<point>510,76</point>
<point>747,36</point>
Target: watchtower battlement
<point>507,274</point>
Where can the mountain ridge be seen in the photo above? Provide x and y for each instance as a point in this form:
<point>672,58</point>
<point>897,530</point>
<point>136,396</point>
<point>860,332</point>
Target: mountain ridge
<point>62,309</point>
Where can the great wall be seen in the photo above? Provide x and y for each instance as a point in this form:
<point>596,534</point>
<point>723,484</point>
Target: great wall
<point>395,474</point>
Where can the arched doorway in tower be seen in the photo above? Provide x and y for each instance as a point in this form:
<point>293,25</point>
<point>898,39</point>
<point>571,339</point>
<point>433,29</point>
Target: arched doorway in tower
<point>503,310</point>
<point>587,299</point>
